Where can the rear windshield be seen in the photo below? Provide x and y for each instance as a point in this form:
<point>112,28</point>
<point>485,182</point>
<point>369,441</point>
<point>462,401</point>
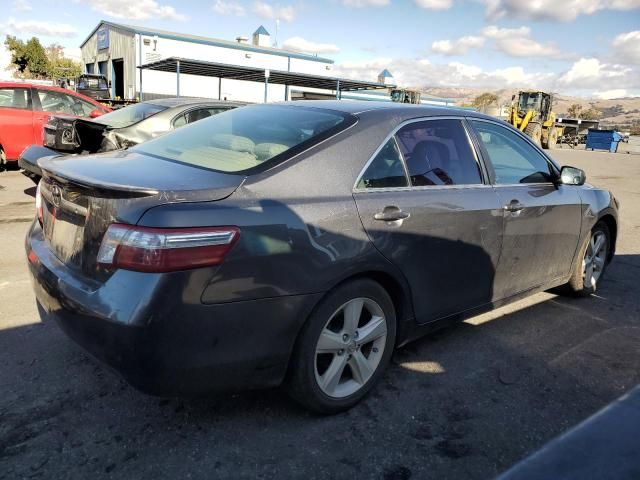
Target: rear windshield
<point>247,138</point>
<point>99,83</point>
<point>127,116</point>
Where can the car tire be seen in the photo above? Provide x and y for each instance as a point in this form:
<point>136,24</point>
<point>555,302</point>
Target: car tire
<point>584,280</point>
<point>334,364</point>
<point>552,138</point>
<point>533,130</point>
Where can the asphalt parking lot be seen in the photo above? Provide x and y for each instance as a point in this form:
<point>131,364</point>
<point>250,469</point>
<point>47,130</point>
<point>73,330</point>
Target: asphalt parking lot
<point>466,402</point>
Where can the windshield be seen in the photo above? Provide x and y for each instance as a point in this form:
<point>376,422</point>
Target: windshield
<point>529,101</point>
<point>248,137</point>
<point>98,83</point>
<point>127,116</point>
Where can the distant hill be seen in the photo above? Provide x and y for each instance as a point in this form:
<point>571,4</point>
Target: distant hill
<point>616,111</point>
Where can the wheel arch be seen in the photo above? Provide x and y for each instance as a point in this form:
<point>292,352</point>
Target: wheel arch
<point>397,288</point>
<point>610,221</point>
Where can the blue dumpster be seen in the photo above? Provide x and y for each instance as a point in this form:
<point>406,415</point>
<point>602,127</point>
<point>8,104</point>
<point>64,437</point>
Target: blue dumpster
<point>603,140</point>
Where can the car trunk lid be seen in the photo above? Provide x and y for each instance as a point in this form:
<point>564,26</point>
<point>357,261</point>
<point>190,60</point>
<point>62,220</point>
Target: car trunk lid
<point>83,195</point>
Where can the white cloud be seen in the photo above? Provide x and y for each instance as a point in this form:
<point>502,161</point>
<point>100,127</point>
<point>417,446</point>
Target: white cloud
<point>366,3</point>
<point>422,73</point>
<point>611,94</point>
<point>434,4</point>
<point>21,6</point>
<point>565,11</point>
<point>299,44</point>
<point>517,42</point>
<point>593,70</point>
<point>590,75</point>
<point>228,8</point>
<point>461,46</point>
<point>138,10</point>
<point>495,32</point>
<point>627,47</point>
<point>36,27</point>
<point>277,12</point>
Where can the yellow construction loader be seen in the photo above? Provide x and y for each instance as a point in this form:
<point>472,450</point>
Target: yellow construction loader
<point>531,113</point>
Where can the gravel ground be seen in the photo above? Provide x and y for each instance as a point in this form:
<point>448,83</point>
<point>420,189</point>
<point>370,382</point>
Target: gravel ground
<point>466,402</point>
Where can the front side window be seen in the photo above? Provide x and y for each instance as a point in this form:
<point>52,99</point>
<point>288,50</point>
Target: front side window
<point>15,98</point>
<point>385,170</point>
<point>58,102</point>
<point>513,159</point>
<point>438,152</point>
<point>246,138</point>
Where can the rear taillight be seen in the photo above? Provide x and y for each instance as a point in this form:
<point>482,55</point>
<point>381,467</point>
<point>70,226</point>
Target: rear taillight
<point>39,204</point>
<point>147,249</point>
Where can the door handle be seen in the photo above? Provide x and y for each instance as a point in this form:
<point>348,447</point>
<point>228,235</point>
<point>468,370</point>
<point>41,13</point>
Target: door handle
<point>391,214</point>
<point>513,206</point>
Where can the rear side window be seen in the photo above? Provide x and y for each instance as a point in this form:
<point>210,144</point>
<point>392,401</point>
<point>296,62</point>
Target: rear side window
<point>15,98</point>
<point>513,159</point>
<point>248,138</point>
<point>438,152</point>
<point>385,170</point>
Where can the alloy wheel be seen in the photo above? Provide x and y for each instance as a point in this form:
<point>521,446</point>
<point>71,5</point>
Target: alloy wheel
<point>594,259</point>
<point>350,347</point>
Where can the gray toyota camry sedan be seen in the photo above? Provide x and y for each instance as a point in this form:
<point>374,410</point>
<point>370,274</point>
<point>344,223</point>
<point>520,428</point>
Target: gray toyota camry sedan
<point>300,243</point>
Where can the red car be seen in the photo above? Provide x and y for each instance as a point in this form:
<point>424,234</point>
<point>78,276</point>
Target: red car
<point>25,108</point>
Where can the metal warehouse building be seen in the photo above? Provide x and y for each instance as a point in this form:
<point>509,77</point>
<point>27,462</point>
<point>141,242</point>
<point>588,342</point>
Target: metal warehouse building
<point>119,51</point>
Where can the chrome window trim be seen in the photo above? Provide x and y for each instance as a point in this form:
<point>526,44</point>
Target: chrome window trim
<point>401,125</point>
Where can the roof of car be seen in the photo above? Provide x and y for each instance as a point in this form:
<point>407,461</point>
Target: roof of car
<point>39,86</point>
<point>404,109</point>
<point>181,101</point>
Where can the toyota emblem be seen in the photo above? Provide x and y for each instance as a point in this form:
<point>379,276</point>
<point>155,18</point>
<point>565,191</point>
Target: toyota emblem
<point>56,195</point>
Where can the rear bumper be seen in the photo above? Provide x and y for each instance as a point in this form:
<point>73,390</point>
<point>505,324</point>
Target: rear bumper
<point>148,329</point>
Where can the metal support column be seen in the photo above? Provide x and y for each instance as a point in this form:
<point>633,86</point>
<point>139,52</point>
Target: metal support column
<point>219,88</point>
<point>286,87</point>
<point>178,78</point>
<point>139,64</point>
<point>338,90</point>
<point>266,85</point>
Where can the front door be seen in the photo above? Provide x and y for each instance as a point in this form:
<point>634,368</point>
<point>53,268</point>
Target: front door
<point>425,206</point>
<point>542,218</point>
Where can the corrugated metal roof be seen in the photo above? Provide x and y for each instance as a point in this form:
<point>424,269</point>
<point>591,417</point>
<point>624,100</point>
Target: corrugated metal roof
<point>207,41</point>
<point>253,74</point>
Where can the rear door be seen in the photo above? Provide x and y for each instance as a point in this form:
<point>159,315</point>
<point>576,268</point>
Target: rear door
<point>16,120</point>
<point>424,203</point>
<point>541,218</point>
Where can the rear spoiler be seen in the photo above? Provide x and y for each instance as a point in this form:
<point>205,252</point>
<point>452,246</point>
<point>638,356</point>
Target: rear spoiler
<point>28,161</point>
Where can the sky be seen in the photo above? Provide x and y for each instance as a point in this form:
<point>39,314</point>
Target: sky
<point>589,48</point>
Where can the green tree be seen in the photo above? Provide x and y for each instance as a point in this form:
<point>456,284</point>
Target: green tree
<point>482,102</point>
<point>63,68</point>
<point>591,114</point>
<point>29,57</point>
<point>574,110</point>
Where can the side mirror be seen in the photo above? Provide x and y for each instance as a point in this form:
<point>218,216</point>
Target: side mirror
<point>95,113</point>
<point>513,97</point>
<point>572,176</point>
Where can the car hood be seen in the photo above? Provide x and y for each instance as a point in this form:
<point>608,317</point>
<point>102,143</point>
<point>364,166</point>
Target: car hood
<point>131,171</point>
